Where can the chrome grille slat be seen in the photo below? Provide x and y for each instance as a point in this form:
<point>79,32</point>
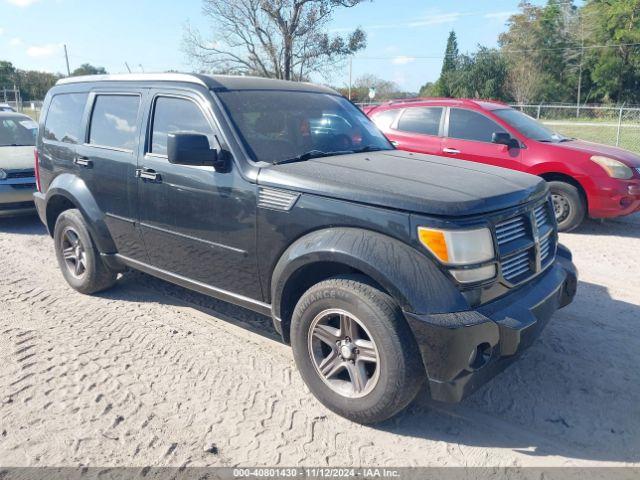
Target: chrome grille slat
<point>511,230</point>
<point>528,225</point>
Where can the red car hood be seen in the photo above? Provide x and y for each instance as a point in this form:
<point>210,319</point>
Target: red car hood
<point>625,156</point>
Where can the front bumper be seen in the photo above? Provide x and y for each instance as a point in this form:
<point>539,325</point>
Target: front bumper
<point>615,198</point>
<point>16,198</point>
<point>461,351</point>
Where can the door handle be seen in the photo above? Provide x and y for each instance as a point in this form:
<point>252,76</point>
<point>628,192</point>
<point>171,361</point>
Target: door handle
<point>451,150</point>
<point>148,174</point>
<point>83,161</point>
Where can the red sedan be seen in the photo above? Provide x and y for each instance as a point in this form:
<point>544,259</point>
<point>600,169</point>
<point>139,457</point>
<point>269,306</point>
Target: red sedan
<point>585,178</point>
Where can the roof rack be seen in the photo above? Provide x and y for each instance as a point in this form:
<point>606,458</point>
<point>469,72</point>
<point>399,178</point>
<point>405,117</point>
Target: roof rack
<point>134,77</point>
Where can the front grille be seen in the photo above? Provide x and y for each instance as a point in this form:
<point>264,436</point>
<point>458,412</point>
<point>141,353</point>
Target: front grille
<point>517,266</point>
<point>511,230</point>
<point>20,174</point>
<point>526,243</point>
<point>546,249</point>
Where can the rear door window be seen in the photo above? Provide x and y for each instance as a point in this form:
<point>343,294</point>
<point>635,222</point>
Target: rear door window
<point>421,120</point>
<point>385,119</point>
<point>114,121</point>
<point>172,115</point>
<point>468,125</point>
<point>64,118</point>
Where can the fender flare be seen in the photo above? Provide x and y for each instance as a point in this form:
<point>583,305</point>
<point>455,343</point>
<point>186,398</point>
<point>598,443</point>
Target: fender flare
<point>411,278</point>
<point>75,190</point>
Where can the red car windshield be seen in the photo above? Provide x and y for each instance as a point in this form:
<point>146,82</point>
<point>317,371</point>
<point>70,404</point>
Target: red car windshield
<point>528,126</point>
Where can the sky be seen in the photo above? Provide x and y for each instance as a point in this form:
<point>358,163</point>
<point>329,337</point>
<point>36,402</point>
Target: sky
<point>147,34</point>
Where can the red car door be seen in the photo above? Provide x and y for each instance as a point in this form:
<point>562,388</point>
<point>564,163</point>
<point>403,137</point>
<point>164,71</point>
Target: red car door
<point>469,137</point>
<point>417,129</point>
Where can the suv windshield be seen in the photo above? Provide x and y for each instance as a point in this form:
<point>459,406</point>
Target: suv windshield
<point>278,126</point>
<point>528,126</point>
<point>17,131</point>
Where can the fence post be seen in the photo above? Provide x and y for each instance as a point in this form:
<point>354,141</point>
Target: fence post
<point>619,127</point>
<point>538,114</point>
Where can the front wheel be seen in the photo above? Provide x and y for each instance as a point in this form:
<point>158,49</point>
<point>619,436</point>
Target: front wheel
<point>568,205</point>
<point>355,350</point>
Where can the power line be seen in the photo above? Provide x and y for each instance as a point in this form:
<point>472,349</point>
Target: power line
<point>531,50</point>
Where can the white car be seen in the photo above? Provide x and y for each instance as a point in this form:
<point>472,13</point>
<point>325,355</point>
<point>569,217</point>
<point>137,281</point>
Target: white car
<point>17,177</point>
<point>5,107</point>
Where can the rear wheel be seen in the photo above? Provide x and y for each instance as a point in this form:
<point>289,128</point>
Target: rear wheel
<point>568,205</point>
<point>78,258</point>
<point>354,349</point>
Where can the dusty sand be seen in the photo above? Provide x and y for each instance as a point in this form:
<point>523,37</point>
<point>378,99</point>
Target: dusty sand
<point>151,374</point>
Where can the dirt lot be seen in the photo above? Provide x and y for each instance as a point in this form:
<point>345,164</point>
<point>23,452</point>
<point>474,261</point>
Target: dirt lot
<point>151,374</point>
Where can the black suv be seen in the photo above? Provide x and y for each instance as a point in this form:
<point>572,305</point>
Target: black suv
<point>381,268</point>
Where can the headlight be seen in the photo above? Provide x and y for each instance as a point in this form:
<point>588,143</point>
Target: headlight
<point>3,174</point>
<point>614,168</point>
<point>458,247</point>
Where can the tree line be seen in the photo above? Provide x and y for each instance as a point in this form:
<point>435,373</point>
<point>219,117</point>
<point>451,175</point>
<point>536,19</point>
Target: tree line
<point>557,52</point>
<point>34,84</point>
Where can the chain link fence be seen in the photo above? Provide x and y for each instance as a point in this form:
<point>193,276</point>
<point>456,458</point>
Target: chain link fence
<point>619,126</point>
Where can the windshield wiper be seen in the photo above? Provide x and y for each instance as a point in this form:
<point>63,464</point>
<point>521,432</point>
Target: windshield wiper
<point>370,148</point>
<point>309,155</point>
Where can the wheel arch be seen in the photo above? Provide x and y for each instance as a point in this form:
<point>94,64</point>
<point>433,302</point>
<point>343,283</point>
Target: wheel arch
<point>68,191</point>
<point>414,281</point>
<point>563,177</point>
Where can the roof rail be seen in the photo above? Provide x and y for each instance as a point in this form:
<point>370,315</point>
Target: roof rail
<point>134,77</point>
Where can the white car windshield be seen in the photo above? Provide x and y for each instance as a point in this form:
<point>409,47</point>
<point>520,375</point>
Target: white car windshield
<point>17,131</point>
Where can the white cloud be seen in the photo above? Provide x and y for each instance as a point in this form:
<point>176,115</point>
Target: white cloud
<point>1,30</point>
<point>22,3</point>
<point>15,42</point>
<point>499,15</point>
<point>402,60</point>
<point>43,50</point>
<point>437,19</point>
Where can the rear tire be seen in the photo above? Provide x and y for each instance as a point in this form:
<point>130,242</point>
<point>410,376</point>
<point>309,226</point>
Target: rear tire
<point>78,257</point>
<point>338,327</point>
<point>568,204</point>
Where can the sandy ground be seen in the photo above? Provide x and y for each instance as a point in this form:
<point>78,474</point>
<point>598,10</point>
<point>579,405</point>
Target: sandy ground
<point>151,374</point>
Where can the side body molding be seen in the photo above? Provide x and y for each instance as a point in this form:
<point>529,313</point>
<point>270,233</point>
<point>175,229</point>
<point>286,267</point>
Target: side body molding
<point>75,190</point>
<point>416,283</point>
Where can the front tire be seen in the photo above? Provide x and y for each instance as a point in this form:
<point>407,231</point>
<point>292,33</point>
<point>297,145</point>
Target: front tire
<point>78,257</point>
<point>568,205</point>
<point>355,350</point>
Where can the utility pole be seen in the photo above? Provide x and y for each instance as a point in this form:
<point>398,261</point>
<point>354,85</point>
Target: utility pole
<point>66,57</point>
<point>581,60</point>
<point>350,74</point>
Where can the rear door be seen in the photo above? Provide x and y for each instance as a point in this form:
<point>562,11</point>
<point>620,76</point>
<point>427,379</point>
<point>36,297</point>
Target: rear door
<point>468,136</point>
<point>107,162</point>
<point>418,129</point>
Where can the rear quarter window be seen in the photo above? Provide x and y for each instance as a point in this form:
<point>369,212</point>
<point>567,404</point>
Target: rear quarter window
<point>114,121</point>
<point>64,117</point>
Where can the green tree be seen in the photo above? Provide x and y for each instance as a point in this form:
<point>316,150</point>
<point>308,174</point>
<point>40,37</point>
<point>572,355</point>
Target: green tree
<point>540,46</point>
<point>7,74</point>
<point>88,69</point>
<point>444,86</point>
<point>614,71</point>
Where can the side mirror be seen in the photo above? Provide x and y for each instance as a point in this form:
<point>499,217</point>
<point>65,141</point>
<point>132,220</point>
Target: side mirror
<point>192,149</point>
<point>503,138</point>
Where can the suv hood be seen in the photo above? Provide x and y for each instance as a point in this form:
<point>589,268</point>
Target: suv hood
<point>590,148</point>
<point>16,158</point>
<point>412,182</point>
